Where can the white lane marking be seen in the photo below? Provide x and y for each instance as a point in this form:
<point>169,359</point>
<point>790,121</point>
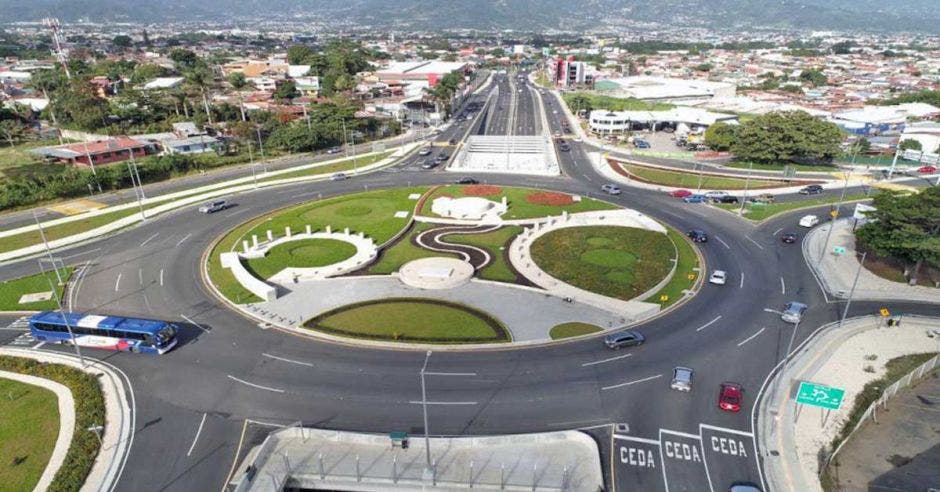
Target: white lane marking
<point>291,361</point>
<point>773,311</point>
<point>38,345</point>
<point>777,231</point>
<point>149,239</point>
<point>79,254</point>
<point>184,239</point>
<point>706,325</point>
<point>748,339</point>
<point>419,402</point>
<point>238,212</point>
<point>194,323</point>
<point>681,434</point>
<point>662,461</point>
<point>140,276</point>
<point>198,431</point>
<point>742,280</point>
<point>722,242</point>
<point>755,242</point>
<point>586,364</point>
<point>117,283</point>
<point>628,383</point>
<point>253,385</point>
<point>725,429</point>
<point>638,439</point>
<point>161,277</point>
<point>428,373</point>
<point>783,286</point>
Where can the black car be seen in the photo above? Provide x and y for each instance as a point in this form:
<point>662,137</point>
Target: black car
<point>623,339</point>
<point>727,199</point>
<point>429,164</point>
<point>811,190</point>
<point>466,180</point>
<point>453,141</point>
<point>697,236</point>
<point>442,157</point>
<point>564,147</point>
<point>788,237</point>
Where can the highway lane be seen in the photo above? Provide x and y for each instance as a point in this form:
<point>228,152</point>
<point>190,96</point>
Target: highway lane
<point>193,400</point>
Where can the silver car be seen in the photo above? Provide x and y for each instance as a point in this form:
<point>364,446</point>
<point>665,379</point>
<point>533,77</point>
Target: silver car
<point>611,189</point>
<point>682,379</point>
<point>213,207</point>
<point>793,312</point>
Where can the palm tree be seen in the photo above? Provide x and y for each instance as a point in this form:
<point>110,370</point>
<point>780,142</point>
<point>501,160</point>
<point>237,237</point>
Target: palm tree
<point>200,79</point>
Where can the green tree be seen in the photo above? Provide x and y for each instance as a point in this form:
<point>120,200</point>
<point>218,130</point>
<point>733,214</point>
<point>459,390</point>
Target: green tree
<point>286,91</point>
<point>905,227</point>
<point>122,41</point>
<point>785,136</point>
<point>719,136</point>
<point>199,79</point>
<point>237,80</point>
<point>184,60</point>
<point>148,71</point>
<point>704,67</point>
<point>299,54</point>
<point>13,130</point>
<point>80,105</point>
<point>814,77</point>
<point>910,144</point>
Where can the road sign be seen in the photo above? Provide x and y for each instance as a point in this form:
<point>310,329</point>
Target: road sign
<point>834,213</point>
<point>819,395</point>
<point>663,298</point>
<point>884,312</point>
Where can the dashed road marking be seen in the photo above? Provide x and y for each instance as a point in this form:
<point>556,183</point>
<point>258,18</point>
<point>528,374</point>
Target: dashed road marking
<point>722,242</point>
<point>706,325</point>
<point>755,242</point>
<point>198,431</point>
<point>149,239</point>
<point>748,339</point>
<point>419,402</point>
<point>117,283</point>
<point>253,385</point>
<point>783,287</point>
<point>290,361</point>
<point>628,383</point>
<point>184,239</point>
<point>586,364</point>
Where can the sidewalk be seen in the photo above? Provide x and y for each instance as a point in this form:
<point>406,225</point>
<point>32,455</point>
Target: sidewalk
<point>791,437</point>
<point>837,272</point>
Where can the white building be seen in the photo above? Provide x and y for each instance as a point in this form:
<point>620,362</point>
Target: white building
<point>665,89</point>
<point>610,122</point>
<point>925,132</point>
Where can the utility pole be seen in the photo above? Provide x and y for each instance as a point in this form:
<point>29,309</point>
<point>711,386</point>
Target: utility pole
<point>68,326</point>
<point>848,303</point>
<point>91,162</point>
<point>747,183</point>
<point>822,254</point>
<point>429,469</point>
<point>345,143</point>
<point>261,147</point>
<point>137,193</point>
<point>42,234</point>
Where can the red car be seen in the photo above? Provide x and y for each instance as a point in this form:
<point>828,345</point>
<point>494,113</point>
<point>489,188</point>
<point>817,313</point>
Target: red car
<point>730,397</point>
<point>927,170</point>
<point>680,193</point>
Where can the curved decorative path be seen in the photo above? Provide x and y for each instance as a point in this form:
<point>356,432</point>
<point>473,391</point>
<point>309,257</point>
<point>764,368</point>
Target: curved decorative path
<point>478,257</point>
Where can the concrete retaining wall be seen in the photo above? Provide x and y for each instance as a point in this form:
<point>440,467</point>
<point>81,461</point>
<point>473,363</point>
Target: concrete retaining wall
<point>257,287</point>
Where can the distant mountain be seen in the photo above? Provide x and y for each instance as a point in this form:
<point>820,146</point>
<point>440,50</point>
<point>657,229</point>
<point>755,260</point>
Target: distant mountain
<point>527,15</point>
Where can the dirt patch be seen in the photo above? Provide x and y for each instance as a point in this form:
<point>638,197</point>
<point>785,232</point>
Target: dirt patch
<point>549,198</point>
<point>481,190</point>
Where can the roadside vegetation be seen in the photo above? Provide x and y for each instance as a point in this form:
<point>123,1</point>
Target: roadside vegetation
<point>573,329</point>
<point>12,290</point>
<point>761,211</point>
<point>28,432</point>
<point>690,180</point>
<point>89,412</point>
<point>411,320</point>
<point>586,101</point>
<point>684,277</point>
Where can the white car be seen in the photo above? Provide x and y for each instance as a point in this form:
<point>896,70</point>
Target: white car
<point>424,151</point>
<point>714,195</point>
<point>718,277</point>
<point>809,221</point>
<point>212,207</point>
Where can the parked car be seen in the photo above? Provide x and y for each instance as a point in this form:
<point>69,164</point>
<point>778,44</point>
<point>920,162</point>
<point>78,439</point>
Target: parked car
<point>718,277</point>
<point>715,195</point>
<point>762,198</point>
<point>682,379</point>
<point>727,199</point>
<point>744,487</point>
<point>811,190</point>
<point>453,141</point>
<point>429,164</point>
<point>680,193</point>
<point>793,312</point>
<point>466,180</point>
<point>641,144</point>
<point>442,157</point>
<point>629,338</point>
<point>788,237</point>
<point>809,221</point>
<point>214,206</point>
<point>611,189</point>
<point>334,150</point>
<point>694,199</point>
<point>730,396</point>
<point>927,170</point>
<point>424,151</point>
<point>339,177</point>
<point>697,236</point>
<point>564,147</point>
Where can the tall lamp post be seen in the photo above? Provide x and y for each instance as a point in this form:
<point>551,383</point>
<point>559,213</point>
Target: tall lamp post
<point>429,469</point>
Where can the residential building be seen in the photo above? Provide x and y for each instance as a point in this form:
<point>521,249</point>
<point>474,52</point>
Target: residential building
<point>98,153</point>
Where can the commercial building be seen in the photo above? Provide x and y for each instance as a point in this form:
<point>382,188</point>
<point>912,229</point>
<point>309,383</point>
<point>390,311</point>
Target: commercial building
<point>665,89</point>
<point>429,72</point>
<point>878,120</point>
<point>566,72</point>
<point>605,122</point>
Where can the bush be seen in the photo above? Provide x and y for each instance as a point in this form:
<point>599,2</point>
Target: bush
<point>89,411</point>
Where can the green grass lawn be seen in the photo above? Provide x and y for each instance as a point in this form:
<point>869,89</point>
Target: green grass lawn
<point>574,329</point>
<point>19,156</point>
<point>12,290</point>
<point>598,101</point>
<point>687,261</point>
<point>761,212</point>
<point>519,207</point>
<point>620,262</point>
<point>763,166</point>
<point>498,269</point>
<point>305,253</point>
<point>372,213</point>
<point>392,258</point>
<point>28,431</point>
<point>341,166</point>
<point>411,320</point>
<point>690,179</point>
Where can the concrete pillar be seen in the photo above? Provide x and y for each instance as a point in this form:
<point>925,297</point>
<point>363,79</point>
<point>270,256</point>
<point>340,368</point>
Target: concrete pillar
<point>505,202</point>
<point>270,235</point>
<point>564,215</point>
<point>287,231</point>
<point>245,246</point>
<point>362,235</point>
<point>346,231</point>
<point>309,230</point>
<point>254,240</point>
<point>329,229</point>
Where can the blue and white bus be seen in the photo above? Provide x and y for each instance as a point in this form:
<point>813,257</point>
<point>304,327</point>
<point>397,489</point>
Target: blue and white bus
<point>105,332</point>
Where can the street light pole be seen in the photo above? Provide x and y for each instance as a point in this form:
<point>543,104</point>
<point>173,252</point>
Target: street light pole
<point>783,368</point>
<point>822,254</point>
<point>845,312</point>
<point>747,183</point>
<point>429,470</point>
<point>42,234</point>
<point>65,320</point>
<point>261,147</point>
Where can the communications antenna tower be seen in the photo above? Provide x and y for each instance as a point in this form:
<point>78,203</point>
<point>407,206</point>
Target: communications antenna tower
<point>60,54</point>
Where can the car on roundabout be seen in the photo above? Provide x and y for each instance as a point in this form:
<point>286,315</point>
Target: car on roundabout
<point>697,236</point>
<point>744,487</point>
<point>811,190</point>
<point>694,199</point>
<point>214,206</point>
<point>466,180</point>
<point>788,238</point>
<point>730,396</point>
<point>809,221</point>
<point>718,277</point>
<point>680,193</point>
<point>793,312</point>
<point>629,338</point>
<point>682,379</point>
<point>611,189</point>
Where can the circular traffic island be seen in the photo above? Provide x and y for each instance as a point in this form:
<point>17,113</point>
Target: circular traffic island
<point>619,262</point>
<point>415,320</point>
<point>304,253</point>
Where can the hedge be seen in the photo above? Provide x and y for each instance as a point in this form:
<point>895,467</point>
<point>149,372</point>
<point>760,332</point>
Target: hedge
<point>89,411</point>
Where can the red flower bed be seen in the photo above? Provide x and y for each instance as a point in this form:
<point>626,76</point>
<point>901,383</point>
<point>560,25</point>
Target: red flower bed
<point>481,190</point>
<point>550,198</point>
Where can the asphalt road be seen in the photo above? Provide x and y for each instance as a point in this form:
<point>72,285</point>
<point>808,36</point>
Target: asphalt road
<point>192,403</point>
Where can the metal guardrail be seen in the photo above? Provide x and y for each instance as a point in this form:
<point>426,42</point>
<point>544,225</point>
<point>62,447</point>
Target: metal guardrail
<point>872,411</point>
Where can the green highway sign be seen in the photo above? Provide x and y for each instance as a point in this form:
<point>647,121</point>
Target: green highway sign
<point>819,395</point>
